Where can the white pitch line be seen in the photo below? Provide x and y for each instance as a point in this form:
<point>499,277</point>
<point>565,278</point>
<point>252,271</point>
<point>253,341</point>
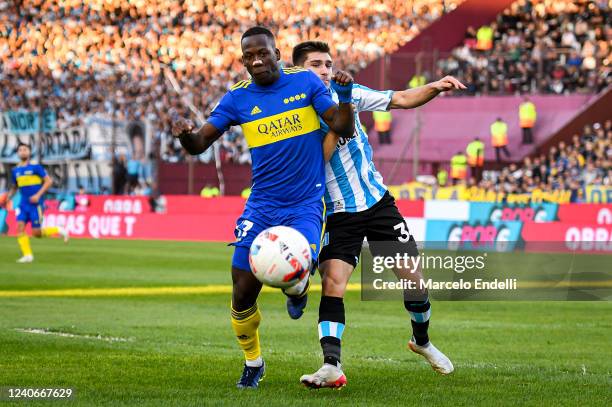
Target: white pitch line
<point>69,335</point>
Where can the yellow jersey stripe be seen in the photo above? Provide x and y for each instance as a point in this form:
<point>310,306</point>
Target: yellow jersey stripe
<point>281,126</point>
<point>28,180</point>
<point>241,84</point>
<point>237,85</point>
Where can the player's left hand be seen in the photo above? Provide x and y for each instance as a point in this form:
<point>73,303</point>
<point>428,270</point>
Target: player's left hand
<point>342,84</point>
<point>448,83</point>
<point>34,199</point>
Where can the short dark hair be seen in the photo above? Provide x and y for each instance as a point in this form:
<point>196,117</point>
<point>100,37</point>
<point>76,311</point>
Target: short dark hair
<point>25,145</point>
<point>257,30</point>
<point>301,51</point>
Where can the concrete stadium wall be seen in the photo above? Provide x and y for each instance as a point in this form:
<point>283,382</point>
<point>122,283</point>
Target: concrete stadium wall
<point>449,124</point>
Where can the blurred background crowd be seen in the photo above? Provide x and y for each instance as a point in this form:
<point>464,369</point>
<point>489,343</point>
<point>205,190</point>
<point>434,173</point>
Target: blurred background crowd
<point>551,46</point>
<point>96,56</point>
<point>88,57</point>
<point>587,160</point>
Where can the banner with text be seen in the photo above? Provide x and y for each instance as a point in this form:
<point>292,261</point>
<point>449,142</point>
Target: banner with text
<point>56,146</point>
<point>27,122</point>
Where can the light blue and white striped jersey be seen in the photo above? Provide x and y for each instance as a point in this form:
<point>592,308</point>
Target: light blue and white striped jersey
<point>352,182</point>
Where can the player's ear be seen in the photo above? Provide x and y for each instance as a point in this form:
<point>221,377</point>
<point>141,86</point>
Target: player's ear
<point>277,52</point>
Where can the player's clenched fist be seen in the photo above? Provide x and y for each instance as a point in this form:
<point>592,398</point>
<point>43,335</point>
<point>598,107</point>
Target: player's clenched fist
<point>181,126</point>
<point>342,84</point>
<point>342,78</point>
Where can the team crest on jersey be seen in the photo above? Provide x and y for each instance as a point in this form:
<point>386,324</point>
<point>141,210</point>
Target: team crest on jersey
<point>255,110</point>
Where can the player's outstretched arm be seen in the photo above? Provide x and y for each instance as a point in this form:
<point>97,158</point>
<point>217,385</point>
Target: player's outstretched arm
<point>340,118</point>
<point>411,98</point>
<point>194,141</point>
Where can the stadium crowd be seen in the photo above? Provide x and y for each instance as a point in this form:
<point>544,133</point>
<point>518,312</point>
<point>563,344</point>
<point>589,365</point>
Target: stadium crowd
<point>587,160</point>
<point>545,46</point>
<point>97,56</point>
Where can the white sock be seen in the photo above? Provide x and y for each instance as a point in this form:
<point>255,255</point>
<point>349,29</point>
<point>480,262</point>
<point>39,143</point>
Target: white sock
<point>255,363</point>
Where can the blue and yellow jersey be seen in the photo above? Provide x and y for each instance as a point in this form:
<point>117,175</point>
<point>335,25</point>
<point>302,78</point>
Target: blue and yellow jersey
<point>281,126</point>
<point>29,179</point>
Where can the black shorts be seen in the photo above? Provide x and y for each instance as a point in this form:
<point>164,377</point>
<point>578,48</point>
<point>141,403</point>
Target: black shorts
<point>344,231</point>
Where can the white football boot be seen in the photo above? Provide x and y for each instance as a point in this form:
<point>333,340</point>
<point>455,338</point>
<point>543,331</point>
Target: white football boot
<point>26,259</point>
<point>438,360</point>
<point>327,376</point>
<point>65,234</point>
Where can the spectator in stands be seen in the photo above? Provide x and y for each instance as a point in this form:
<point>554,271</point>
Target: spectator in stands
<point>82,200</point>
<point>119,174</point>
<point>133,173</point>
<point>550,46</point>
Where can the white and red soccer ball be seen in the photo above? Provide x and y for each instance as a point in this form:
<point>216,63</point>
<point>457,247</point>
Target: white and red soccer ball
<point>280,257</point>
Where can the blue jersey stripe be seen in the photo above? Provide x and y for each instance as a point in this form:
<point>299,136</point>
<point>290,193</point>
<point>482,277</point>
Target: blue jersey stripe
<point>357,156</point>
<point>367,149</point>
<point>345,187</point>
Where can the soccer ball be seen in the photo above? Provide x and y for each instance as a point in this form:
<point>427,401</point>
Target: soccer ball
<point>280,257</point>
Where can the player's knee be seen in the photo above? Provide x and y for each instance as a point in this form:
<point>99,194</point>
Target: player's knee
<point>36,233</point>
<point>245,289</point>
<point>334,277</point>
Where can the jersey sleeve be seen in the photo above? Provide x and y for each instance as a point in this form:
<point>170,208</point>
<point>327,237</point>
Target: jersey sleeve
<point>370,100</point>
<point>321,96</point>
<point>224,115</point>
<point>13,177</point>
<point>40,171</point>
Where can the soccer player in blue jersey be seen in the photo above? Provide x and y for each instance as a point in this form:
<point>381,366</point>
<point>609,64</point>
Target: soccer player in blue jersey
<point>359,206</point>
<point>278,110</point>
<point>33,182</point>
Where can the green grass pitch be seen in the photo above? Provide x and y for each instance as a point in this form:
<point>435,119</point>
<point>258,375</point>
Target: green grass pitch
<point>177,349</point>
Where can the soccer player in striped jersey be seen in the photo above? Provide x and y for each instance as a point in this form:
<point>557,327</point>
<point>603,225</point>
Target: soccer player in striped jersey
<point>359,206</point>
<point>33,182</point>
<point>278,110</point>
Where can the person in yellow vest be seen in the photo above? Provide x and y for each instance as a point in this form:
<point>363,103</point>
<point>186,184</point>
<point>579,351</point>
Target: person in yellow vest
<point>442,177</point>
<point>382,124</point>
<point>209,192</point>
<point>246,193</point>
<point>484,38</point>
<point>499,138</point>
<point>458,167</point>
<point>475,157</point>
<point>527,119</point>
<point>417,80</point>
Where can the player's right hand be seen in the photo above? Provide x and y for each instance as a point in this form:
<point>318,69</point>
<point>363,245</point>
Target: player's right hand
<point>342,84</point>
<point>181,126</point>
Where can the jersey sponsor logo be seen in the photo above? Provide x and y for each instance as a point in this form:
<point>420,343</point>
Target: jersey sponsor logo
<point>255,110</point>
<point>28,180</point>
<point>282,126</point>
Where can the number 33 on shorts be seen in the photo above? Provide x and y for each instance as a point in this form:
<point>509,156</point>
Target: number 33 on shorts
<point>242,229</point>
<point>404,234</point>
